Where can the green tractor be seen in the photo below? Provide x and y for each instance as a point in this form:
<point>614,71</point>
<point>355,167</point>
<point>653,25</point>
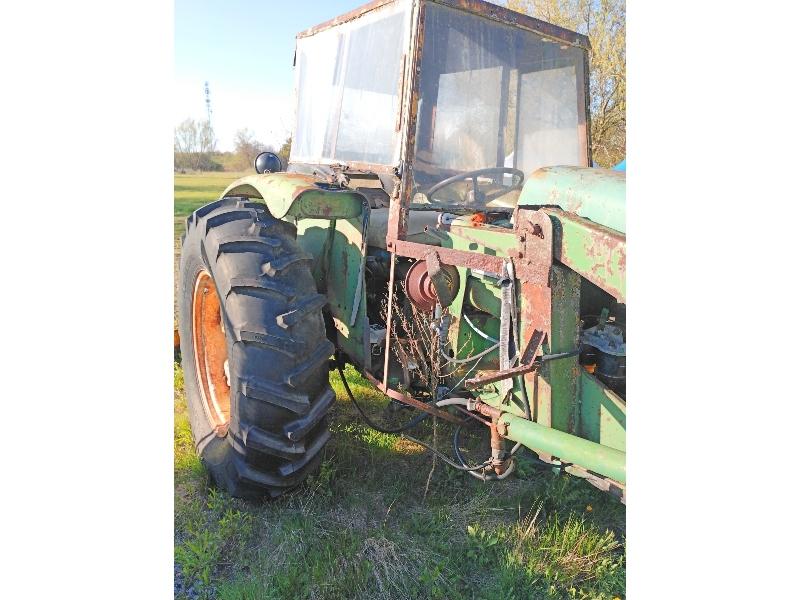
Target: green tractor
<point>437,227</point>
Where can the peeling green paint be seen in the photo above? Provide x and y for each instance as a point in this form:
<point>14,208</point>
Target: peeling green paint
<point>594,194</point>
<point>591,250</point>
<point>297,195</point>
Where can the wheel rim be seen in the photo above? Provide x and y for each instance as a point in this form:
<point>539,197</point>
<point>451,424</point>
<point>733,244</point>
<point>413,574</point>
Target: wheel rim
<point>211,353</point>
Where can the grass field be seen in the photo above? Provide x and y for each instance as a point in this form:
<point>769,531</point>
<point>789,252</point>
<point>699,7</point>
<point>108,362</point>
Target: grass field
<point>374,523</point>
<point>194,190</point>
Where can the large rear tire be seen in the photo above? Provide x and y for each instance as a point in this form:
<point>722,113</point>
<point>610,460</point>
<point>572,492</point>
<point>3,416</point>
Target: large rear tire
<point>253,348</point>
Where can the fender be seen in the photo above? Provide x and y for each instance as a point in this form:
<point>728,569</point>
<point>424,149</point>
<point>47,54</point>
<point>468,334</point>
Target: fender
<point>331,227</point>
<point>299,196</point>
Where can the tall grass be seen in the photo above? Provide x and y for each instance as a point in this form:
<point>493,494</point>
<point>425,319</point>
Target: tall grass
<point>361,526</point>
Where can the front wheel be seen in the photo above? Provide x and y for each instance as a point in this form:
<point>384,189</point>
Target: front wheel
<point>253,347</point>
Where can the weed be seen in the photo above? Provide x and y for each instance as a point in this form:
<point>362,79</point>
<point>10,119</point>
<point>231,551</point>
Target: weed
<point>178,378</point>
<point>482,545</point>
<point>216,538</point>
<point>320,485</point>
<point>189,472</point>
<point>197,556</point>
<point>570,556</point>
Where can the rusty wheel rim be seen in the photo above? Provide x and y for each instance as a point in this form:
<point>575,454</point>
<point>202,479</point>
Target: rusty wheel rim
<point>211,353</point>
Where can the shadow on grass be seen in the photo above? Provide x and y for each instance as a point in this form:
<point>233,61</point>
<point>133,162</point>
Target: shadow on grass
<point>362,526</point>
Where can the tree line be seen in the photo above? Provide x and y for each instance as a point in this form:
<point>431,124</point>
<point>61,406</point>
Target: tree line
<point>195,149</point>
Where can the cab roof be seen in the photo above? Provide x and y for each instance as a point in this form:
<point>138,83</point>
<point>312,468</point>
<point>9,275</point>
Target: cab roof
<point>477,7</point>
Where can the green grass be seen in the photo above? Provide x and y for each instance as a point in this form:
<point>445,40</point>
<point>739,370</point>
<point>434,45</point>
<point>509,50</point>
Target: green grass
<point>193,190</point>
<point>363,527</point>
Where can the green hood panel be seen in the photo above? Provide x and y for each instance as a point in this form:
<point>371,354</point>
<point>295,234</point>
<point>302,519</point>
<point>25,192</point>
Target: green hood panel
<point>594,194</point>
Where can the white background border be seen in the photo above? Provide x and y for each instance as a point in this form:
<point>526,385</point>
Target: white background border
<point>87,287</point>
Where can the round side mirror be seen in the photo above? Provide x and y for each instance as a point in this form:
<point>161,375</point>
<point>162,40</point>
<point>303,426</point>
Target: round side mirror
<point>268,162</point>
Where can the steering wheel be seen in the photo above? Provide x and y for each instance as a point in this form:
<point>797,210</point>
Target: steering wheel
<point>474,176</point>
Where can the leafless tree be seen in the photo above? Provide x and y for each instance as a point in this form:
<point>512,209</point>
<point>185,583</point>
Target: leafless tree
<point>247,147</point>
<point>194,143</point>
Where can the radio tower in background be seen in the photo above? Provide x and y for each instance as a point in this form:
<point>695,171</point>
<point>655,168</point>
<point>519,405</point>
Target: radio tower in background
<point>208,104</point>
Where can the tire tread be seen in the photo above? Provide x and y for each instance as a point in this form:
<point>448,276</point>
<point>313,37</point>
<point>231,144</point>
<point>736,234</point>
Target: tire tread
<point>280,393</point>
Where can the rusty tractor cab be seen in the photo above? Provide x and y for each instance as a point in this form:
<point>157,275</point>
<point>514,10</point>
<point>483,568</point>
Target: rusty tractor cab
<point>464,258</point>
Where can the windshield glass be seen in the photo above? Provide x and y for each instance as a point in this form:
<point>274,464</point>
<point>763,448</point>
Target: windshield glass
<point>495,100</point>
<point>348,86</point>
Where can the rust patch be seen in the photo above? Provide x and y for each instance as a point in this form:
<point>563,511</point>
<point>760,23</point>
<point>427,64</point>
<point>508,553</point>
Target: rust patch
<point>534,258</point>
<point>420,288</point>
<point>533,265</point>
<point>211,353</point>
<point>605,247</point>
<point>458,258</point>
<point>346,17</point>
<point>510,17</point>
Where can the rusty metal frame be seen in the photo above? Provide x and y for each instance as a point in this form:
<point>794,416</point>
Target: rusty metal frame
<point>533,266</point>
<point>449,256</point>
<point>398,207</point>
<point>604,484</point>
<point>605,244</point>
<point>345,18</point>
<point>586,101</point>
<point>504,15</point>
<point>411,401</point>
<point>495,12</point>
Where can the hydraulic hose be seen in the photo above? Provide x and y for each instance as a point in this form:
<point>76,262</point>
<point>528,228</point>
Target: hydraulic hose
<point>412,423</point>
<point>452,402</point>
<point>445,459</point>
<point>475,328</point>
<point>415,421</point>
<point>469,359</point>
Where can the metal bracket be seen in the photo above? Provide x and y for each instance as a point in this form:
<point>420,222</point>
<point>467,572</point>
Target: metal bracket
<point>535,250</point>
<point>444,277</point>
<point>527,365</point>
<point>411,401</point>
<point>360,283</point>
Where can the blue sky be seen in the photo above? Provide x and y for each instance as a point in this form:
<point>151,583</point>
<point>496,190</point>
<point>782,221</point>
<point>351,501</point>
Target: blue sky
<point>244,49</point>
